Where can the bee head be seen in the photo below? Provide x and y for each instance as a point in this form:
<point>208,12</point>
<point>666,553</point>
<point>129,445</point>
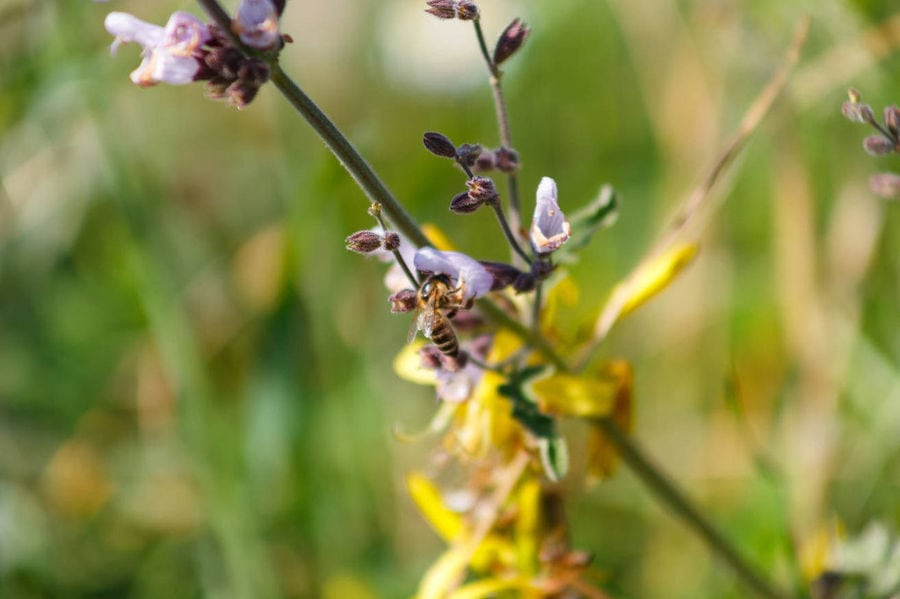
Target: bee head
<point>438,283</point>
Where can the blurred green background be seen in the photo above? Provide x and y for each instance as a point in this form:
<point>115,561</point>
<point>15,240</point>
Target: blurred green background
<point>196,391</point>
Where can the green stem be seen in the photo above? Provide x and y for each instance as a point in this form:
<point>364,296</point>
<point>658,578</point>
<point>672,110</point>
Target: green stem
<point>667,491</point>
<point>501,218</point>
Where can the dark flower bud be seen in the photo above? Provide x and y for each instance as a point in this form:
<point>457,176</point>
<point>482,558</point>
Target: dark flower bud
<point>467,154</point>
<point>878,145</point>
<point>524,282</point>
<point>507,160</point>
<point>504,274</point>
<point>467,321</point>
<point>439,144</point>
<point>463,203</point>
<point>403,301</point>
<point>484,163</point>
<point>892,118</point>
<point>482,189</point>
<point>887,185</point>
<point>430,356</point>
<point>240,93</point>
<point>541,269</point>
<point>254,71</point>
<point>858,113</point>
<point>363,242</point>
<point>391,241</point>
<point>454,363</point>
<point>510,40</point>
<point>443,9</point>
<point>467,10</point>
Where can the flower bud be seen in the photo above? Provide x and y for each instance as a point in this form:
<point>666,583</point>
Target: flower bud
<point>878,145</point>
<point>467,10</point>
<point>892,118</point>
<point>524,282</point>
<point>439,144</point>
<point>391,241</point>
<point>541,269</point>
<point>854,95</point>
<point>887,185</point>
<point>364,242</point>
<point>507,160</point>
<point>467,154</point>
<point>858,113</point>
<point>504,274</point>
<point>442,9</point>
<point>485,162</point>
<point>463,203</point>
<point>482,189</point>
<point>430,357</point>
<point>510,40</point>
<point>403,301</point>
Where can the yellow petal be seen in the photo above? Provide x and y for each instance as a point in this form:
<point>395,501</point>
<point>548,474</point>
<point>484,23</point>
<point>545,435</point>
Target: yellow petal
<point>488,587</point>
<point>447,523</point>
<point>444,575</point>
<point>527,526</point>
<point>408,365</point>
<point>585,396</point>
<point>642,284</point>
<point>437,237</point>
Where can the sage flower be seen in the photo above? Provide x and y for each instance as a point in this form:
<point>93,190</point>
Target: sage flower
<point>462,270</point>
<point>171,54</point>
<point>256,23</point>
<point>549,227</point>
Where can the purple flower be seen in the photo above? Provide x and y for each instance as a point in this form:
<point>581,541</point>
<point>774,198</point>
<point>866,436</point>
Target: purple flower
<point>462,270</point>
<point>171,54</point>
<point>549,227</point>
<point>256,24</point>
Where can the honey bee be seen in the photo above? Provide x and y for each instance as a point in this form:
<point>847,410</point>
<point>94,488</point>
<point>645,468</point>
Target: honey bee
<point>434,296</point>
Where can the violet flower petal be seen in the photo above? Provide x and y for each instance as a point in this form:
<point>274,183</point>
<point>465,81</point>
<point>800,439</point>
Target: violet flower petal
<point>184,34</point>
<point>549,227</point>
<point>256,23</point>
<point>461,269</point>
<point>161,67</point>
<point>128,28</point>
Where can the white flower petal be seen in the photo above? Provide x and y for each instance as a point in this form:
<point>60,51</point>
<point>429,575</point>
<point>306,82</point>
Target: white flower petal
<point>257,23</point>
<point>184,34</point>
<point>549,227</point>
<point>128,28</point>
<point>461,269</point>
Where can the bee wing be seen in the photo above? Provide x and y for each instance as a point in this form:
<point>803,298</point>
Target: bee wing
<point>413,329</point>
<point>427,320</point>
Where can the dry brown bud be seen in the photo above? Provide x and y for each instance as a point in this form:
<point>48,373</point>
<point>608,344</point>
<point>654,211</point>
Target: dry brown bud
<point>484,163</point>
<point>467,154</point>
<point>463,203</point>
<point>510,41</point>
<point>467,10</point>
<point>391,241</point>
<point>858,113</point>
<point>507,160</point>
<point>443,9</point>
<point>363,242</point>
<point>482,189</point>
<point>887,185</point>
<point>403,301</point>
<point>878,145</point>
<point>892,118</point>
<point>439,144</point>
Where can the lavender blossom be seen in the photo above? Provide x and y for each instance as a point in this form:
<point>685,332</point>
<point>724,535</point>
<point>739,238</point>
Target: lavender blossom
<point>549,227</point>
<point>256,23</point>
<point>462,270</point>
<point>171,54</point>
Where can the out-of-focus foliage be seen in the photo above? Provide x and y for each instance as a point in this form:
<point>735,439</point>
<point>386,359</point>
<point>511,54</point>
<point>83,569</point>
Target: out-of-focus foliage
<point>196,392</point>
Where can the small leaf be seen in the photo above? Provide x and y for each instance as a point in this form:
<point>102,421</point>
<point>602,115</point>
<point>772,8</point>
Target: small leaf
<point>524,409</point>
<point>601,455</point>
<point>655,276</point>
<point>601,213</point>
<point>444,574</point>
<point>578,396</point>
<point>527,526</point>
<point>554,457</point>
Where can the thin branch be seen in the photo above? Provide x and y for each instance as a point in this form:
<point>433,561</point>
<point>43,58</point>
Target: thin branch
<point>691,207</point>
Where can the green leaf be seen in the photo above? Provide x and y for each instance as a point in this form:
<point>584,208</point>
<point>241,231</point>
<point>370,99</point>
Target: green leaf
<point>600,214</point>
<point>554,457</point>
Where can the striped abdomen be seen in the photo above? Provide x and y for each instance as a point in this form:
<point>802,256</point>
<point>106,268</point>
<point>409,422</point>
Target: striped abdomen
<point>444,337</point>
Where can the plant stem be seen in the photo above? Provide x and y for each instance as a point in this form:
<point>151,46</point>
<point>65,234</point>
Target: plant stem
<point>502,123</point>
<point>501,218</point>
<point>667,491</point>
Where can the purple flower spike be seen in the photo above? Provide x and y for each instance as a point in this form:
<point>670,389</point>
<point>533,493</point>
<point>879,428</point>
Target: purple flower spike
<point>171,53</point>
<point>256,24</point>
<point>461,269</point>
<point>549,228</point>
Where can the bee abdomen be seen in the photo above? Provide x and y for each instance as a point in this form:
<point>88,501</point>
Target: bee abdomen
<point>444,338</point>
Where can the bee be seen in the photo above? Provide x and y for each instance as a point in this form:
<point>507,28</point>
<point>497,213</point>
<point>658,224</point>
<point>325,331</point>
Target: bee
<point>435,295</point>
